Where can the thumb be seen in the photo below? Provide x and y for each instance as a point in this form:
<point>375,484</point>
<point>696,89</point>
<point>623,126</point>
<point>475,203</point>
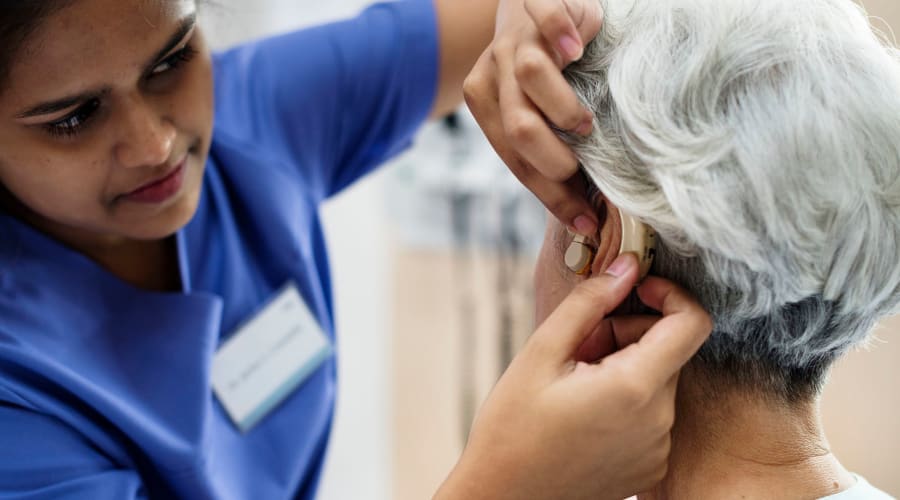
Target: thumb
<point>577,317</point>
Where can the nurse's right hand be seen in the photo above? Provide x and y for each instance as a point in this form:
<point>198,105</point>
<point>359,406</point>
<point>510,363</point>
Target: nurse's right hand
<point>558,427</point>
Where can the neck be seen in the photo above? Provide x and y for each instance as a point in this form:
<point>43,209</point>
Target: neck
<point>741,445</point>
<point>149,265</point>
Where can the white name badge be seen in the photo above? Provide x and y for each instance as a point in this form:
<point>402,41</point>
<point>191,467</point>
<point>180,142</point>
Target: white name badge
<point>267,358</point>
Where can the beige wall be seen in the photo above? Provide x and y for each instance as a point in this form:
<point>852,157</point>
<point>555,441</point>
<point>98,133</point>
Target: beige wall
<point>861,404</point>
<point>889,10</point>
<point>860,410</point>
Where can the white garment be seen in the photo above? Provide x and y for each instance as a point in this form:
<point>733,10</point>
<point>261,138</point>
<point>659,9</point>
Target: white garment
<point>862,490</point>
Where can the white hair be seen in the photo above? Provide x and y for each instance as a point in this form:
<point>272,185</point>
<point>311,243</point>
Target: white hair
<point>761,139</point>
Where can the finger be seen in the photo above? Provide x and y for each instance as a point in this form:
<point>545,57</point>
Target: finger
<point>480,92</point>
<point>529,134</point>
<point>545,86</point>
<point>556,25</point>
<point>629,329</point>
<point>579,314</point>
<point>565,200</point>
<point>587,16</point>
<point>598,344</point>
<point>539,148</point>
<point>482,99</point>
<point>674,339</point>
<point>612,334</point>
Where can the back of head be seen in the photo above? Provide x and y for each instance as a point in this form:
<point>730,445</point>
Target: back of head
<point>761,138</point>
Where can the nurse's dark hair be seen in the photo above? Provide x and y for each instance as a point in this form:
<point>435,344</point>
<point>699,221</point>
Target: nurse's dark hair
<point>18,20</point>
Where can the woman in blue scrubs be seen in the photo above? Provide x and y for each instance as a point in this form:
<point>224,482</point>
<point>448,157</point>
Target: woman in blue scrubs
<point>158,202</point>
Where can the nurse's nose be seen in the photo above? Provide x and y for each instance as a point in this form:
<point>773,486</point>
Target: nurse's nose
<point>146,137</point>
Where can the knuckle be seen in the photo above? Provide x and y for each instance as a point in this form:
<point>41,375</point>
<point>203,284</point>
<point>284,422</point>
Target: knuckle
<point>502,49</point>
<point>474,86</point>
<point>522,128</point>
<point>593,18</point>
<point>561,170</point>
<point>560,207</point>
<point>561,173</point>
<point>554,21</point>
<point>570,121</point>
<point>529,64</point>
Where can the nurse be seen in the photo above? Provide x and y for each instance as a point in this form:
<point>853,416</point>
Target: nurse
<point>165,305</point>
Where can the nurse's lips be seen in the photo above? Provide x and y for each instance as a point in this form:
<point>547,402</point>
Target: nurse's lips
<point>161,188</point>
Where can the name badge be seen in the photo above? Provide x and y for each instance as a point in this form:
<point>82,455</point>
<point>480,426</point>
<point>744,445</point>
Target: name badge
<point>267,358</point>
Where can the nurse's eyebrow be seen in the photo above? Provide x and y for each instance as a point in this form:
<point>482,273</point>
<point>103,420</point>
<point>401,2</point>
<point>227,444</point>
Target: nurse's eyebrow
<point>184,27</point>
<point>58,105</point>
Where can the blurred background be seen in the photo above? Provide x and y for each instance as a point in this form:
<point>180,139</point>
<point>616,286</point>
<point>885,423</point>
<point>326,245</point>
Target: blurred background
<point>432,259</point>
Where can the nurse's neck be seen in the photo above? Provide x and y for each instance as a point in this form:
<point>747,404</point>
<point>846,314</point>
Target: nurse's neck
<point>739,445</point>
<point>149,265</point>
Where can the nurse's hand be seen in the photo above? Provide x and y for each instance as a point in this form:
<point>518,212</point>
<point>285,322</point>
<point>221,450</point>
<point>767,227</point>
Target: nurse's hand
<point>557,426</point>
<point>517,87</point>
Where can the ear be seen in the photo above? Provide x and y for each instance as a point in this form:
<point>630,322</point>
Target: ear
<point>609,236</point>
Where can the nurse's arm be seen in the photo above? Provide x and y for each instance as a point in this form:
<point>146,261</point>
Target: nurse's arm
<point>466,28</point>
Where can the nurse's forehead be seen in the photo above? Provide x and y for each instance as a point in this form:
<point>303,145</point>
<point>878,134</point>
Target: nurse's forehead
<point>87,38</point>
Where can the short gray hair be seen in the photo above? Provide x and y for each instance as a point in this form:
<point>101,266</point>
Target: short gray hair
<point>761,138</point>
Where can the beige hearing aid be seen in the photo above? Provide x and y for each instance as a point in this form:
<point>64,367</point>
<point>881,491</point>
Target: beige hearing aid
<point>637,238</point>
<point>580,255</point>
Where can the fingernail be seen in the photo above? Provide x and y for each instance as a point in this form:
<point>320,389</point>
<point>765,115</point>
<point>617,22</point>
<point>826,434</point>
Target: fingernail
<point>570,48</point>
<point>619,266</point>
<point>585,225</point>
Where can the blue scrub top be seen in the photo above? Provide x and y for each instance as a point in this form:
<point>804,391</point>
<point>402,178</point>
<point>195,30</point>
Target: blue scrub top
<point>105,389</point>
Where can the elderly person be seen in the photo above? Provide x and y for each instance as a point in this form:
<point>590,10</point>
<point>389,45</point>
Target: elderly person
<point>761,139</point>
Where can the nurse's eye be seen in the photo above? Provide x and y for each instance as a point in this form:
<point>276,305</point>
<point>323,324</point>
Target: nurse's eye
<point>75,121</point>
<point>174,61</point>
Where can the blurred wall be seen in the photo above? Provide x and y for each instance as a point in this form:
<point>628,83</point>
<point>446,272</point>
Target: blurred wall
<point>861,401</point>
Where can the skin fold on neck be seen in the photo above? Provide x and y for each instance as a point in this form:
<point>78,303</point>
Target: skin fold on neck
<point>741,445</point>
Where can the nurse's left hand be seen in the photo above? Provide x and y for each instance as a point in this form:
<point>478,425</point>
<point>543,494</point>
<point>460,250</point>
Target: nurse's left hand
<point>516,90</point>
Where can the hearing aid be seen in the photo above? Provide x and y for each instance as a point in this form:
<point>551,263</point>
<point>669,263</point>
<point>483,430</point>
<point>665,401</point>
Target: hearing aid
<point>637,238</point>
<point>580,255</point>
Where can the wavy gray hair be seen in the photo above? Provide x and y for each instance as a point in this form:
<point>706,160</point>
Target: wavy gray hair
<point>761,138</point>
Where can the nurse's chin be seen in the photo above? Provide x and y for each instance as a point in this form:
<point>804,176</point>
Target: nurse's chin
<point>154,221</point>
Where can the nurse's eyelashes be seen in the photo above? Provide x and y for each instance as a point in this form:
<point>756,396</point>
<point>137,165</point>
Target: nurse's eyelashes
<point>174,61</point>
<point>71,124</point>
<point>79,119</point>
